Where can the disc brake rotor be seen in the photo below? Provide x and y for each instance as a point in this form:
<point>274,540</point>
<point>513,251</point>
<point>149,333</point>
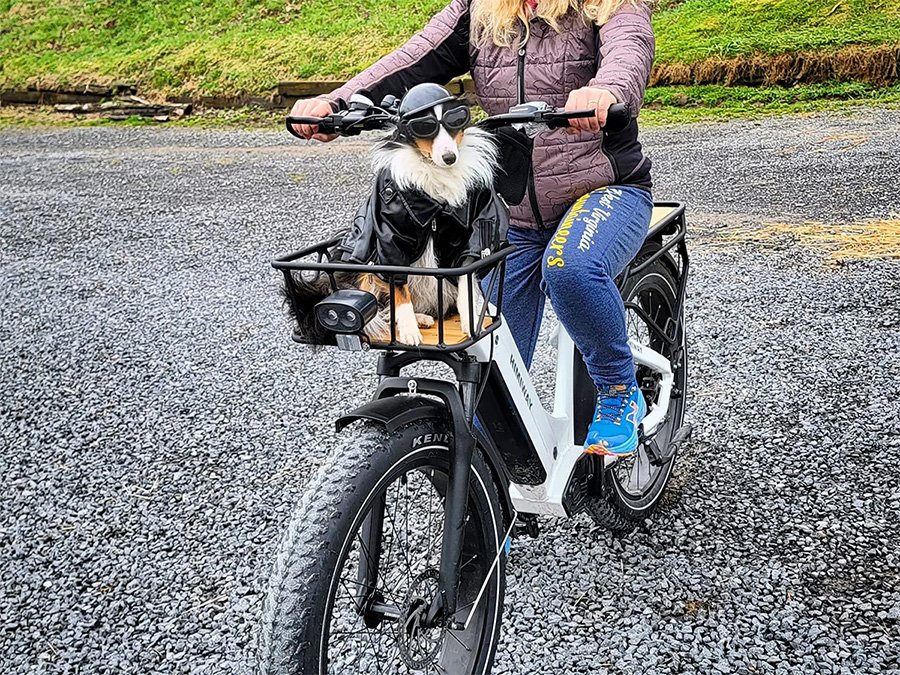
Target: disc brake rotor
<point>419,645</point>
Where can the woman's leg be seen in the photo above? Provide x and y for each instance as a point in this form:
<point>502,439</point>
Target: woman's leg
<point>523,299</point>
<point>596,239</point>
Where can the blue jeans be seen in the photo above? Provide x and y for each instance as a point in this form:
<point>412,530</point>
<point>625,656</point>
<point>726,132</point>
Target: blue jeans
<point>575,266</point>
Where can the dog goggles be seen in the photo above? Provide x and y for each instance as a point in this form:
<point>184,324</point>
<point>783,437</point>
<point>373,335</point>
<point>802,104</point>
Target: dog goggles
<point>428,126</point>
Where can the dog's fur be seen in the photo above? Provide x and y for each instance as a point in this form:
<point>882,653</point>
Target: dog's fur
<point>412,167</point>
<point>447,168</point>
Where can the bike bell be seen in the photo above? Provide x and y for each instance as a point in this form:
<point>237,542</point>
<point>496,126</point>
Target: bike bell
<point>416,114</point>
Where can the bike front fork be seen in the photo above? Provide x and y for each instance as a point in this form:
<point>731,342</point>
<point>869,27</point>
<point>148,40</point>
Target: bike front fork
<point>461,402</point>
<point>443,606</point>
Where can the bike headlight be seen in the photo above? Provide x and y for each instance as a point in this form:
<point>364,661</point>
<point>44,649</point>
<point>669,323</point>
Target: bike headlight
<point>347,311</point>
<point>329,318</point>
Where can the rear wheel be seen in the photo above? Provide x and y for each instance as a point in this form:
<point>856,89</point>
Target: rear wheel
<point>633,485</point>
<point>359,564</point>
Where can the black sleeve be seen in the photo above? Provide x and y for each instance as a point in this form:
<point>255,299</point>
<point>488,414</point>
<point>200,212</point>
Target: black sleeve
<point>357,245</point>
<point>437,53</point>
<point>490,222</point>
<point>511,179</point>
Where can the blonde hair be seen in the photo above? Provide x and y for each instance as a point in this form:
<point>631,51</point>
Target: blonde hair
<point>499,21</point>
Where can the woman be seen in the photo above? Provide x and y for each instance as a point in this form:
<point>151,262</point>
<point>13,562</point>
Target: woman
<point>579,54</point>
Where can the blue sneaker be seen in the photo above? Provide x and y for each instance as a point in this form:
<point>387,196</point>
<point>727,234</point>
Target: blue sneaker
<point>614,430</point>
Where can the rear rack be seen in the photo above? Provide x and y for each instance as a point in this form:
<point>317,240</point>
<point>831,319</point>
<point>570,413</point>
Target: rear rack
<point>446,335</point>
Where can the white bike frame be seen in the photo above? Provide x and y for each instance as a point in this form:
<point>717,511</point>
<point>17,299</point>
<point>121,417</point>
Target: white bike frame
<point>553,433</point>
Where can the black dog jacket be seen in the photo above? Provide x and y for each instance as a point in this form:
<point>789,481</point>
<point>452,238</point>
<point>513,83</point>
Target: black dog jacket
<point>393,227</point>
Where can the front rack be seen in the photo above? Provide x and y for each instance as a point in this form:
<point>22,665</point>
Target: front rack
<point>445,336</point>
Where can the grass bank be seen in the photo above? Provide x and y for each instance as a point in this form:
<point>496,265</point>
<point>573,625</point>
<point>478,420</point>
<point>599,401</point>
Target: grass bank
<point>240,47</point>
<point>667,105</point>
<point>696,30</point>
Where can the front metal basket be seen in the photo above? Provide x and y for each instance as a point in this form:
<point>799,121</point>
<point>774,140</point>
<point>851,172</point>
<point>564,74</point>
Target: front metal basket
<point>446,335</point>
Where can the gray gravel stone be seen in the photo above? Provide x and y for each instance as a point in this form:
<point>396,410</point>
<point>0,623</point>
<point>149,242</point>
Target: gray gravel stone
<point>157,424</point>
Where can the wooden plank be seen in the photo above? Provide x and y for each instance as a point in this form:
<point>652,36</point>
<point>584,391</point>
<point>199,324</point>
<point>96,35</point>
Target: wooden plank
<point>462,86</point>
<point>88,93</point>
<point>17,97</point>
<point>124,107</point>
<point>660,212</point>
<point>308,88</point>
<point>453,334</point>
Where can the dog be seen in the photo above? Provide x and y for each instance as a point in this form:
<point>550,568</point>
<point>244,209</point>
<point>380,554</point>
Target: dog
<point>433,204</point>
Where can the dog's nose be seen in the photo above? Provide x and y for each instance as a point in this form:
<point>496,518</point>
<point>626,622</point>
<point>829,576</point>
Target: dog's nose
<point>449,158</point>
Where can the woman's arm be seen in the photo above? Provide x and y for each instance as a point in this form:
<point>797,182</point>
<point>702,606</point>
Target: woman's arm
<point>438,53</point>
<point>627,48</point>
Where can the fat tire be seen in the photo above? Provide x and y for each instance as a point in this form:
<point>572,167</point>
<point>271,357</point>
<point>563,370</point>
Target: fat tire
<point>293,610</point>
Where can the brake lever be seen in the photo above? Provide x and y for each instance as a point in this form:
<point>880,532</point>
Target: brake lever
<point>534,118</point>
<point>505,120</point>
<point>559,119</point>
<point>327,125</point>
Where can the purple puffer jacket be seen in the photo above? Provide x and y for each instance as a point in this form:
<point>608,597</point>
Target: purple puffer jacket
<point>617,56</point>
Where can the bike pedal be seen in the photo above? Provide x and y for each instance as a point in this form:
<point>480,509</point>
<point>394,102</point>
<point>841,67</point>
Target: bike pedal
<point>527,526</point>
<point>683,435</point>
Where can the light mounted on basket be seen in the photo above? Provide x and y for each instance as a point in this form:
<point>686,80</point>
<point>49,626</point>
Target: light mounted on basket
<point>347,310</point>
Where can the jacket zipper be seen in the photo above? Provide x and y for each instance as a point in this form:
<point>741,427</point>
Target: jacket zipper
<point>532,196</point>
<point>520,78</point>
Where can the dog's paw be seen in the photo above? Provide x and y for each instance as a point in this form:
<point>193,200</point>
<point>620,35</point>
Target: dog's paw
<point>424,320</point>
<point>408,333</point>
<point>464,327</point>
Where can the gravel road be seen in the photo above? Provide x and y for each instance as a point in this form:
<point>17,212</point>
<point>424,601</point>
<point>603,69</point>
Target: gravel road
<point>157,425</point>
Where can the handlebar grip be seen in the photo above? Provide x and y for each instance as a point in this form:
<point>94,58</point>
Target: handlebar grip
<point>618,117</point>
<point>325,125</point>
<point>559,119</point>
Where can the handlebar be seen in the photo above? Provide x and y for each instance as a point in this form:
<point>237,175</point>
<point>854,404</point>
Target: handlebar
<point>343,123</point>
<point>363,115</point>
<point>618,117</point>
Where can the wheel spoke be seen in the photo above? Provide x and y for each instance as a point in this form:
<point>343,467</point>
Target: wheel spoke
<point>654,295</point>
<point>459,642</point>
<point>393,528</point>
<point>406,531</point>
<point>406,580</point>
<point>368,634</point>
<point>403,549</point>
<point>384,584</point>
<point>388,595</point>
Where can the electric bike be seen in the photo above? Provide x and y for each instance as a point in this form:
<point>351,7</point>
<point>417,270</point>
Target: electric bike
<point>394,561</point>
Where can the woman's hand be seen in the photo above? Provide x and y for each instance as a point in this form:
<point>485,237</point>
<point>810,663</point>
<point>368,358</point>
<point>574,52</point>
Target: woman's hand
<point>312,107</point>
<point>588,98</point>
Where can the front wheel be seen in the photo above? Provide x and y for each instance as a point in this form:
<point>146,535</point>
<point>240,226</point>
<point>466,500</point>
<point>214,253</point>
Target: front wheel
<point>633,485</point>
<point>358,566</point>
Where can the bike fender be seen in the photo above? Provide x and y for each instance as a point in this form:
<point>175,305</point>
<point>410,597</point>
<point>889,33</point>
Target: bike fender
<point>394,412</point>
<point>496,464</point>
